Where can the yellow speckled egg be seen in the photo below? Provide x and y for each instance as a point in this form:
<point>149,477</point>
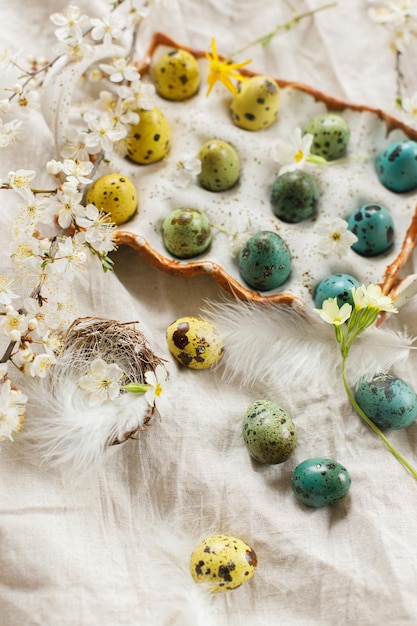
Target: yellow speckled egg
<point>115,194</point>
<point>255,105</point>
<point>150,139</point>
<point>176,75</point>
<point>194,342</point>
<point>222,562</point>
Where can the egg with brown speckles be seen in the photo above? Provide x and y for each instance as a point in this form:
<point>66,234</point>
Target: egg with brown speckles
<point>150,139</point>
<point>222,563</point>
<point>269,432</point>
<point>176,75</point>
<point>114,194</point>
<point>186,233</point>
<point>256,103</point>
<point>194,342</point>
<point>220,165</point>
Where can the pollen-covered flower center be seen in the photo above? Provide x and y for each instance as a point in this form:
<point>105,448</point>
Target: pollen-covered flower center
<point>158,389</point>
<point>336,236</point>
<point>299,156</point>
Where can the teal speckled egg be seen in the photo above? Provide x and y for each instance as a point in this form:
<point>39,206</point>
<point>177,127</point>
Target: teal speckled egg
<point>374,228</point>
<point>335,286</point>
<point>397,166</point>
<point>388,401</point>
<point>320,481</point>
<point>186,233</point>
<point>268,432</point>
<point>220,165</point>
<point>331,134</point>
<point>294,196</point>
<point>265,261</point>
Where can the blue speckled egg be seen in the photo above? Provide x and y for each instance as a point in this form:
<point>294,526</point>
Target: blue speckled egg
<point>268,432</point>
<point>388,401</point>
<point>294,196</point>
<point>374,228</point>
<point>331,134</point>
<point>265,261</point>
<point>397,166</point>
<point>335,286</point>
<point>320,481</point>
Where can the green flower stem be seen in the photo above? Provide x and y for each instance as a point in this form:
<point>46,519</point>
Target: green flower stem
<point>136,387</point>
<point>371,424</point>
<point>266,39</point>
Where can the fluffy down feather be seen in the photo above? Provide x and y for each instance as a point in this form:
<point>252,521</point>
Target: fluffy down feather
<point>263,342</point>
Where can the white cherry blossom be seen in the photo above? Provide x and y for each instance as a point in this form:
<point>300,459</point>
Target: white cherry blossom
<point>292,154</point>
<point>102,382</point>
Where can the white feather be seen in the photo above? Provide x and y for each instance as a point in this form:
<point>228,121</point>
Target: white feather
<point>62,429</point>
<point>267,343</point>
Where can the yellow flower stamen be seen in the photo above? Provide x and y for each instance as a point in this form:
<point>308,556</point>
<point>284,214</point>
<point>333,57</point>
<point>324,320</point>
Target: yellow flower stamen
<point>299,156</point>
<point>223,71</point>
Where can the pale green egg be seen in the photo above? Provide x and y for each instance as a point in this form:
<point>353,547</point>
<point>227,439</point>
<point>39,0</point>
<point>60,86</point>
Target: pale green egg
<point>220,165</point>
<point>269,432</point>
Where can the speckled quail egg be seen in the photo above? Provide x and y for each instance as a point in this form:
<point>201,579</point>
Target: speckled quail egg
<point>335,286</point>
<point>374,228</point>
<point>320,481</point>
<point>150,139</point>
<point>220,165</point>
<point>294,196</point>
<point>176,75</point>
<point>331,134</point>
<point>388,401</point>
<point>256,103</point>
<point>114,194</point>
<point>186,233</point>
<point>194,342</point>
<point>222,562</point>
<point>397,166</point>
<point>268,432</point>
<point>264,261</point>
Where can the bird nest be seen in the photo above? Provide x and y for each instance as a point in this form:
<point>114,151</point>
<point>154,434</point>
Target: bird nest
<point>115,342</point>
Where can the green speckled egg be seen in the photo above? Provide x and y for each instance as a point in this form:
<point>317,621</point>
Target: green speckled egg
<point>194,342</point>
<point>335,286</point>
<point>256,103</point>
<point>388,401</point>
<point>222,562</point>
<point>294,196</point>
<point>150,139</point>
<point>268,432</point>
<point>186,233</point>
<point>220,165</point>
<point>114,194</point>
<point>320,481</point>
<point>265,261</point>
<point>397,166</point>
<point>374,228</point>
<point>331,134</point>
<point>176,75</point>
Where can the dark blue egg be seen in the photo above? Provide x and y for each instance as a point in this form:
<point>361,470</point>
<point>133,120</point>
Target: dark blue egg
<point>294,196</point>
<point>265,261</point>
<point>397,166</point>
<point>320,481</point>
<point>335,286</point>
<point>388,401</point>
<point>374,228</point>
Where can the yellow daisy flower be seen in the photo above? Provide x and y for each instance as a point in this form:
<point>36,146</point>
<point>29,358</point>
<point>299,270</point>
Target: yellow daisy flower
<point>222,71</point>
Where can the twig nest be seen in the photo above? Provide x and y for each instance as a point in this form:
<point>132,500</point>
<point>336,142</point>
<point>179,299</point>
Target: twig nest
<point>64,427</point>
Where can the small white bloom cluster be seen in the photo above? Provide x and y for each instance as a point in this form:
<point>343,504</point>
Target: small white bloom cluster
<point>399,16</point>
<point>12,406</point>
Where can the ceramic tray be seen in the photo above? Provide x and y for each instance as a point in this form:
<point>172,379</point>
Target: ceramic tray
<point>246,208</point>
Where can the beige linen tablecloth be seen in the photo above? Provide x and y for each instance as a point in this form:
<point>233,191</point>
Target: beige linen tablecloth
<point>110,548</point>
